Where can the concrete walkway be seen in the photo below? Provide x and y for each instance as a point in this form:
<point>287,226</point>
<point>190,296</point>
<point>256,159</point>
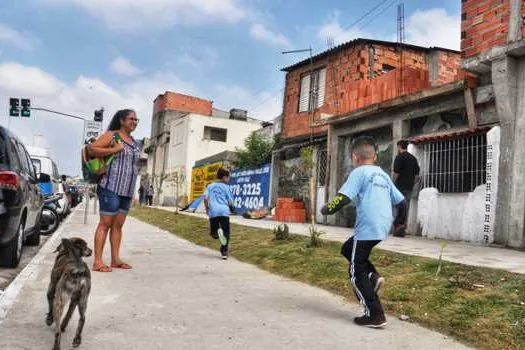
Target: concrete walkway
<point>182,296</point>
<point>458,252</point>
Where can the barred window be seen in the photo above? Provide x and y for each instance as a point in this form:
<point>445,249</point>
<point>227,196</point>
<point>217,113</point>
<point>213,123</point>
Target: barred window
<point>457,165</point>
<point>322,168</point>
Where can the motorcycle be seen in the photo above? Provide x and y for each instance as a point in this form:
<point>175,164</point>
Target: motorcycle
<point>50,218</point>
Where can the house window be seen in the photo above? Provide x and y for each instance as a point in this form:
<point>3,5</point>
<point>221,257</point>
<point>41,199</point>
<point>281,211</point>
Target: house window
<point>215,134</point>
<point>456,165</point>
<point>312,90</point>
<point>387,68</point>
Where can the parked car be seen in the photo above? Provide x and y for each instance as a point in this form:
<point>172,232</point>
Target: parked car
<point>21,200</point>
<point>44,164</point>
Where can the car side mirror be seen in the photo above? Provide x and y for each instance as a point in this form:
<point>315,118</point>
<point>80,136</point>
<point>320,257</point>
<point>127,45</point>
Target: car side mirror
<point>43,178</point>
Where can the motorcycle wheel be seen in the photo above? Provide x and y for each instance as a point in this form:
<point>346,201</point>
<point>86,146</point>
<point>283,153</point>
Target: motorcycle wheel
<point>49,228</point>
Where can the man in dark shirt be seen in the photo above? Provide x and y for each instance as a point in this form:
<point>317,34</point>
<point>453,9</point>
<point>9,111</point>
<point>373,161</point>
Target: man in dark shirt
<point>406,174</point>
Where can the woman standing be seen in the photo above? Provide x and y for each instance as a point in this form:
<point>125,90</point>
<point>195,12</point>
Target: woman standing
<point>116,188</point>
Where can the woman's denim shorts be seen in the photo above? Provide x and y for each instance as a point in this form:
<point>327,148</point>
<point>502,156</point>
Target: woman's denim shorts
<point>111,203</point>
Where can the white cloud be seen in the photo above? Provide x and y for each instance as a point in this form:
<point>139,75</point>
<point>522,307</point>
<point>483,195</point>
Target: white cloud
<point>264,105</point>
<point>122,66</point>
<point>434,27</point>
<point>85,94</point>
<point>332,30</point>
<point>15,38</point>
<point>81,98</point>
<point>260,32</point>
<point>131,15</point>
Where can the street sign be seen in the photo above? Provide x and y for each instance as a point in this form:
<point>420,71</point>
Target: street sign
<point>14,110</point>
<point>26,108</point>
<point>92,129</point>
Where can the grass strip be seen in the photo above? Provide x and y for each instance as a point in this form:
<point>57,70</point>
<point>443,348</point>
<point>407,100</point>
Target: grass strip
<point>479,306</point>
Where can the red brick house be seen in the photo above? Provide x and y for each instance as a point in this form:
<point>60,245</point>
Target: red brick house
<point>346,78</point>
<point>357,74</point>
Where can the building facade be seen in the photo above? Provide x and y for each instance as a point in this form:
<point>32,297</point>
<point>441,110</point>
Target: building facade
<point>184,130</point>
<point>493,47</point>
<point>350,77</point>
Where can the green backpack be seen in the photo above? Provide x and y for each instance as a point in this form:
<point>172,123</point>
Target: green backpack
<point>94,168</point>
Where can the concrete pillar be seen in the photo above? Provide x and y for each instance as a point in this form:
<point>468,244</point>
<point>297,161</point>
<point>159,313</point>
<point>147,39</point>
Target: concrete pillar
<point>515,21</point>
<point>274,186</point>
<point>508,77</point>
<point>334,167</point>
<point>400,130</point>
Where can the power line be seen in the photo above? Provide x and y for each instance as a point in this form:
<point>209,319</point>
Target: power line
<point>362,17</point>
<point>379,14</point>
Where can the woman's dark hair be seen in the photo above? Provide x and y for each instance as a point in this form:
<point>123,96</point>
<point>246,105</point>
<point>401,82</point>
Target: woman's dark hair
<point>222,173</point>
<point>115,123</point>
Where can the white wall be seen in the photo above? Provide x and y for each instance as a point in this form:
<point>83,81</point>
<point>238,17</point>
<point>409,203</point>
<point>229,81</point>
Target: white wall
<point>457,217</point>
<point>187,144</point>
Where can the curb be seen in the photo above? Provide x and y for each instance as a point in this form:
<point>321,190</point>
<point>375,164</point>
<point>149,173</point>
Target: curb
<point>10,294</point>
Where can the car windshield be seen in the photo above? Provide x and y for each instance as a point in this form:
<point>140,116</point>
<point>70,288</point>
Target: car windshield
<point>37,164</point>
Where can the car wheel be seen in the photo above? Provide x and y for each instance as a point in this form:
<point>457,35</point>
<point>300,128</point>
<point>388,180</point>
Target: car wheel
<point>11,254</point>
<point>34,239</point>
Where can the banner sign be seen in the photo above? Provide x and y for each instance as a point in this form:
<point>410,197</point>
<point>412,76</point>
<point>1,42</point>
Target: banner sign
<point>201,177</point>
<point>251,188</point>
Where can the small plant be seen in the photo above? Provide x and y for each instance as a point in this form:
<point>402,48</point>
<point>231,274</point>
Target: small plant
<point>281,232</point>
<point>315,237</point>
<point>442,246</point>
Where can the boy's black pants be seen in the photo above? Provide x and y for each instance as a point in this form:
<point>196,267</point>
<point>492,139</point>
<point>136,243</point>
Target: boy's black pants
<point>224,223</point>
<point>358,255</point>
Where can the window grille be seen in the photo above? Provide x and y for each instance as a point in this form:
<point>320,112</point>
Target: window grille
<point>457,165</point>
<point>321,168</point>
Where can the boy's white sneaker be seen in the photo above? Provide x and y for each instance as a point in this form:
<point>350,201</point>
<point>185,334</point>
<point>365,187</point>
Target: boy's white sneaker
<point>222,237</point>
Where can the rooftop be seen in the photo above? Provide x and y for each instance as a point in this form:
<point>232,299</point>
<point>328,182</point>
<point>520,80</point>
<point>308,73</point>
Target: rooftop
<point>358,41</point>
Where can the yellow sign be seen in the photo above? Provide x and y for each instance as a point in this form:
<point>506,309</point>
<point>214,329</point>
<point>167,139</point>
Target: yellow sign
<point>201,177</point>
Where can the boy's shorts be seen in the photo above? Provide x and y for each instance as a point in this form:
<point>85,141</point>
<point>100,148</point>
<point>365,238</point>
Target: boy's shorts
<point>111,203</point>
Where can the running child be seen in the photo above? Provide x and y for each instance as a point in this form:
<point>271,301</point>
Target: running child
<point>219,206</point>
<point>374,194</point>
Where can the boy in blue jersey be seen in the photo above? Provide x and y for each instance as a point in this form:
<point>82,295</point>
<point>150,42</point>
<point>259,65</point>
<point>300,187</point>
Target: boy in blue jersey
<point>374,194</point>
<point>219,205</point>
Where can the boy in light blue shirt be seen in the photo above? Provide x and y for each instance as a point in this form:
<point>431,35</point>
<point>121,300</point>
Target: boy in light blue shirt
<point>374,194</point>
<point>219,206</point>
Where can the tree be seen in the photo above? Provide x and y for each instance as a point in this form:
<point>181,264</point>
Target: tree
<point>257,151</point>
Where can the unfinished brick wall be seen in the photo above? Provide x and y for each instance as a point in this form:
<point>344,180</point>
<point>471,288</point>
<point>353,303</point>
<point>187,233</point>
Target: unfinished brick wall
<point>362,75</point>
<point>484,25</point>
<point>449,68</point>
<point>183,103</point>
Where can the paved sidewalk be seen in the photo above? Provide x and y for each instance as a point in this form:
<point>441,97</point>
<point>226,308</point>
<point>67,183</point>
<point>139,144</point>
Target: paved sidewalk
<point>458,252</point>
<point>182,296</point>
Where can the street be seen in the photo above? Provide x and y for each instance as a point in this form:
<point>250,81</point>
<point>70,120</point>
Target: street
<point>8,275</point>
<point>182,296</point>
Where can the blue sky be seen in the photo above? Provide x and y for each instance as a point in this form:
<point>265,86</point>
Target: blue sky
<point>77,55</point>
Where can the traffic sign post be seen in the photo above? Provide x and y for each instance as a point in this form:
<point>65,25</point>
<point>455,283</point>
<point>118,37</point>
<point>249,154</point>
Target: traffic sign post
<point>92,129</point>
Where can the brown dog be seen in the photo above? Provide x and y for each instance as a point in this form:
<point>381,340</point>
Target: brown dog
<point>70,280</point>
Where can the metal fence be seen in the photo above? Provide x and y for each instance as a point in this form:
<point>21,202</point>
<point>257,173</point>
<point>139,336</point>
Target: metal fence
<point>457,165</point>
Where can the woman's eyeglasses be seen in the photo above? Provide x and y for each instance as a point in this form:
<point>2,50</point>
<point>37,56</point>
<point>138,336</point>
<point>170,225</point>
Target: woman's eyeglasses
<point>136,120</point>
